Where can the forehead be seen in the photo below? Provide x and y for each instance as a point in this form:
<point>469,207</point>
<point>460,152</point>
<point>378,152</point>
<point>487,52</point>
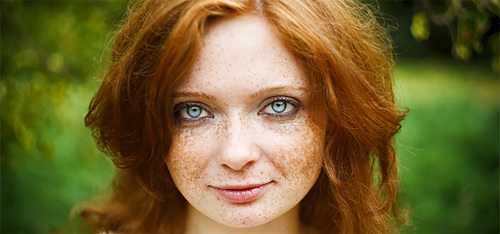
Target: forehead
<point>243,53</point>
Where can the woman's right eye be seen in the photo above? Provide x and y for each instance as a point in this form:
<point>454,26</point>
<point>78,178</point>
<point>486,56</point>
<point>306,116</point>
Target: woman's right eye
<point>191,113</point>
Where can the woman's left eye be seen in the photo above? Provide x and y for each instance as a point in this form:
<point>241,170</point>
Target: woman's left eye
<point>280,107</point>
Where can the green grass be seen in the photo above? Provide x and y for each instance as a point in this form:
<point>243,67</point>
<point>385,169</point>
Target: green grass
<point>449,146</point>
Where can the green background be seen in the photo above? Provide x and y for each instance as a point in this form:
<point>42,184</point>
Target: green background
<point>53,54</point>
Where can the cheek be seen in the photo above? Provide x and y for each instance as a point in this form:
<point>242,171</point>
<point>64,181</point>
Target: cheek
<point>185,156</point>
<point>297,149</point>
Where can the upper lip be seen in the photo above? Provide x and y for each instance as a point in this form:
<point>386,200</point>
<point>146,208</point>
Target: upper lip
<point>240,186</point>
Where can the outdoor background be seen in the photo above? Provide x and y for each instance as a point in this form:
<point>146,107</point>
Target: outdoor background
<point>53,54</point>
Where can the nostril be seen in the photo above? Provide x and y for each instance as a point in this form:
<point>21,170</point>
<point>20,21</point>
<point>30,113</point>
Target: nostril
<point>237,153</point>
<point>238,167</point>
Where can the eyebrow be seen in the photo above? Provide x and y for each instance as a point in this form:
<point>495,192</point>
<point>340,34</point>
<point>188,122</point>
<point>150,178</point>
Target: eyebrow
<point>277,89</point>
<point>251,96</point>
<point>194,94</point>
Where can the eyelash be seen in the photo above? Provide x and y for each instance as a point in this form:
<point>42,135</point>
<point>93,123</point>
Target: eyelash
<point>182,106</point>
<point>288,100</point>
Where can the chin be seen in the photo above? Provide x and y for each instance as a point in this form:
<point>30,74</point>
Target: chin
<point>244,222</point>
<point>244,218</point>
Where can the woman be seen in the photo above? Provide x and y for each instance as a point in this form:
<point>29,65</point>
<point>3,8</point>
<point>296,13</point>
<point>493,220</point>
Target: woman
<point>249,116</point>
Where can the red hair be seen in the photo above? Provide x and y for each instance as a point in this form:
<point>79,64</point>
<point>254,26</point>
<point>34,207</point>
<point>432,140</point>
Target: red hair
<point>348,59</point>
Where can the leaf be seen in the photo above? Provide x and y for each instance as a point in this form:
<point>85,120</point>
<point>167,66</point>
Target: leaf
<point>420,26</point>
<point>463,51</point>
<point>494,7</point>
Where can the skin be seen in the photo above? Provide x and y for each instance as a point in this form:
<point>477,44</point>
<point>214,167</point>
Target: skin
<point>238,139</point>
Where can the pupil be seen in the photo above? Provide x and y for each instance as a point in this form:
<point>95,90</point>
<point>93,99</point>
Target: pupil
<point>278,106</point>
<point>193,111</point>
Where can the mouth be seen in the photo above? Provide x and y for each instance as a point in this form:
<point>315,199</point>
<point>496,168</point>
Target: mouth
<point>241,193</point>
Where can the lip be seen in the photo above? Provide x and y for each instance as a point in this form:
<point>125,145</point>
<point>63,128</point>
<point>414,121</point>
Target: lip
<point>241,193</point>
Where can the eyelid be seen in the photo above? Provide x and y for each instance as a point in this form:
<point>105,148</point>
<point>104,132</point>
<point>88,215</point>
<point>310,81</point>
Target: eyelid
<point>292,101</point>
<point>179,107</point>
<point>287,99</point>
<point>183,105</point>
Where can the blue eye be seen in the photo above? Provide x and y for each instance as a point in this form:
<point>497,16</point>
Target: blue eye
<point>191,112</point>
<point>280,107</point>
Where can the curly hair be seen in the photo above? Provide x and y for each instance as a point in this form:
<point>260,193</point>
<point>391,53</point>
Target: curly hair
<point>347,57</point>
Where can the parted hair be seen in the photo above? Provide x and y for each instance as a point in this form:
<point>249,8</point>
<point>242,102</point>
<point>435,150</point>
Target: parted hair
<point>348,61</point>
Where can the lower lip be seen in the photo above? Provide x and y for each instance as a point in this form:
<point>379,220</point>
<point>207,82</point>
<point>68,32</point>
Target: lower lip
<point>242,195</point>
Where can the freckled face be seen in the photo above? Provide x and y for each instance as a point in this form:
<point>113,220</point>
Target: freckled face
<point>246,148</point>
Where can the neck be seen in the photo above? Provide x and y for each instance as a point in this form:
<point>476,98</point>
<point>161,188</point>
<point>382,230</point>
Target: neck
<point>199,223</point>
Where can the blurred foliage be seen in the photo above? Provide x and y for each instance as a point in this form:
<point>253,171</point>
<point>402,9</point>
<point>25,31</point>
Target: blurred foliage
<point>449,146</point>
<point>52,58</point>
<point>50,52</point>
<point>467,21</point>
<point>420,27</point>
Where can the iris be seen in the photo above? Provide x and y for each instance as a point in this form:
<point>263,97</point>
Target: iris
<point>193,111</point>
<point>278,106</point>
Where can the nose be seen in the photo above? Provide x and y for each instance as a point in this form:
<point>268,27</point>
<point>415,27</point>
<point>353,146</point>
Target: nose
<point>238,149</point>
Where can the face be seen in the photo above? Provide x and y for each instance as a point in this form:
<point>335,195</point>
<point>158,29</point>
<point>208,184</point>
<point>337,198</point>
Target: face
<point>246,146</point>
